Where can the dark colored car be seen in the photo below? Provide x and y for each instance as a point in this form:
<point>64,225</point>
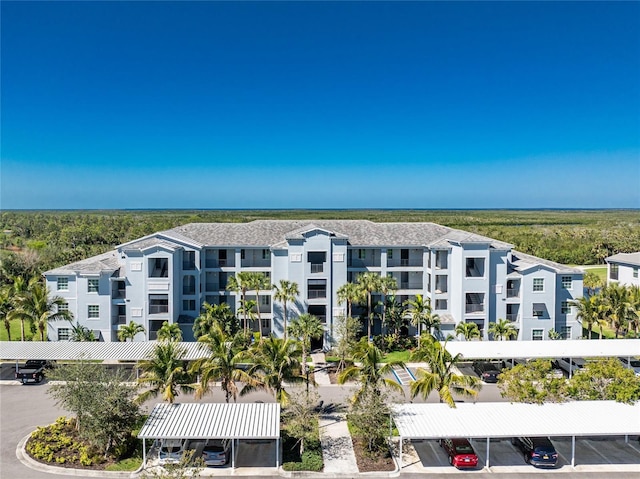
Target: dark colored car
<point>538,451</point>
<point>488,372</point>
<point>461,454</point>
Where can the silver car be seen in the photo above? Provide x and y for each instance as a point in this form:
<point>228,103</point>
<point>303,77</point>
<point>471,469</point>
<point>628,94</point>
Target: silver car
<point>216,452</point>
<point>171,451</point>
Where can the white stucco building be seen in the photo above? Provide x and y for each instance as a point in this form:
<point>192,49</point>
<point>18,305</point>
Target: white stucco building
<point>622,268</point>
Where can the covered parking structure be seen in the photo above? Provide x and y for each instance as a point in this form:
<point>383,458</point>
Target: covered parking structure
<point>506,420</point>
<point>592,348</point>
<point>237,421</point>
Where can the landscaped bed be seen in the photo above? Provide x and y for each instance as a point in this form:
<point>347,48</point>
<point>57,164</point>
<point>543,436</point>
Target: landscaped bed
<point>368,462</point>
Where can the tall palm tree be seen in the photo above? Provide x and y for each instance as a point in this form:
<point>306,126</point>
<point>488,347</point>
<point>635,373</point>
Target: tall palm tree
<point>370,282</point>
<point>503,329</point>
<point>304,328</point>
<point>129,331</point>
<point>5,308</point>
<point>369,370</point>
<point>170,332</point>
<point>20,291</point>
<point>275,361</point>
<point>388,286</point>
<point>164,371</point>
<point>634,319</point>
<point>441,376</point>
<point>258,282</point>
<point>226,355</point>
<point>467,330</point>
<point>621,308</point>
<point>285,292</point>
<point>395,316</point>
<point>586,312</point>
<point>240,284</point>
<point>248,310</point>
<point>350,293</point>
<point>422,315</point>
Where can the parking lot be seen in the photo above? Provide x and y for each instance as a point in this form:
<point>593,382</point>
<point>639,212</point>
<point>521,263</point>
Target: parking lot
<point>427,455</point>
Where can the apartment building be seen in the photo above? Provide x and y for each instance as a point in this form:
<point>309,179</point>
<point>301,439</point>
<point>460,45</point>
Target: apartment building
<point>622,268</point>
<point>168,275</point>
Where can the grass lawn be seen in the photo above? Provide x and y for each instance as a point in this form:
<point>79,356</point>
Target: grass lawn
<point>397,356</point>
<point>15,332</point>
<point>128,464</point>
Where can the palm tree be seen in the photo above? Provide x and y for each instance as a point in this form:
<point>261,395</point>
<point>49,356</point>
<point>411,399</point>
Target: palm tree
<point>215,314</point>
<point>222,364</point>
<point>165,372</point>
<point>422,315</point>
<point>36,306</point>
<point>304,328</point>
<point>440,376</point>
<point>503,329</point>
<point>395,316</point>
<point>621,309</point>
<point>634,319</point>
<point>5,308</point>
<point>80,333</point>
<point>129,331</point>
<point>20,291</point>
<point>240,284</point>
<point>275,361</point>
<point>350,293</point>
<point>170,332</point>
<point>586,312</point>
<point>468,330</point>
<point>369,370</point>
<point>388,285</point>
<point>257,282</point>
<point>248,310</point>
<point>285,292</point>
<point>370,282</point>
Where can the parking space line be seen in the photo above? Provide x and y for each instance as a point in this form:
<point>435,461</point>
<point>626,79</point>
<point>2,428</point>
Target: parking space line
<point>586,442</point>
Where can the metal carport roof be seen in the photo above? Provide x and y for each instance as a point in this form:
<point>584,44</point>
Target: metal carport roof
<point>65,350</point>
<point>545,349</point>
<point>213,421</point>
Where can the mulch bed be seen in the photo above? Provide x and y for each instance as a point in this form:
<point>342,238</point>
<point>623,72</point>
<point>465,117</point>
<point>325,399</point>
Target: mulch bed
<point>380,461</point>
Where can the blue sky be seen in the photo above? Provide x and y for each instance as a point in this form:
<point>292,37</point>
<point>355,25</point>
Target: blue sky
<point>320,105</point>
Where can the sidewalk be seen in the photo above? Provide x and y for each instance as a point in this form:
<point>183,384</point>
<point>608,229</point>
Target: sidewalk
<point>337,448</point>
<point>319,372</point>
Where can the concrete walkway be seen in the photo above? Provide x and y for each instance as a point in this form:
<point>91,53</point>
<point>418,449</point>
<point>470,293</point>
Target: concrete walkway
<point>337,448</point>
<point>319,371</point>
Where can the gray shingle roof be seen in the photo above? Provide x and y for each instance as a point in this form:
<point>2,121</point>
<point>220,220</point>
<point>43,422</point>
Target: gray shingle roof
<point>522,261</point>
<point>625,258</point>
<point>106,262</point>
<point>358,232</point>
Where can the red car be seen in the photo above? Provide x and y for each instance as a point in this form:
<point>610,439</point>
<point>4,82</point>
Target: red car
<point>461,454</point>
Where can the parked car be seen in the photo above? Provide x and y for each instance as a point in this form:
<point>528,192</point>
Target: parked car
<point>33,370</point>
<point>488,372</point>
<point>170,451</point>
<point>216,452</point>
<point>631,364</point>
<point>461,454</point>
<point>538,451</point>
<point>570,364</point>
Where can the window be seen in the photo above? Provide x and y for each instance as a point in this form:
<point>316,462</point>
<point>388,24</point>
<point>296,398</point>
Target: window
<point>265,300</point>
<point>537,334</point>
<point>441,304</point>
<point>362,253</point>
<point>613,271</point>
<point>635,272</point>
<point>266,254</point>
<point>389,254</point>
<point>474,302</point>
<point>565,307</point>
<point>188,260</point>
<point>63,284</point>
<point>475,268</point>
<point>316,288</point>
<point>158,303</point>
<point>188,304</point>
<point>63,307</point>
<point>538,310</point>
<point>64,334</point>
<point>189,285</point>
<point>565,332</point>
<point>93,285</point>
<point>266,323</point>
<point>538,284</point>
<point>317,259</point>
<point>159,267</point>
<point>93,311</point>
<point>241,254</point>
<point>566,282</point>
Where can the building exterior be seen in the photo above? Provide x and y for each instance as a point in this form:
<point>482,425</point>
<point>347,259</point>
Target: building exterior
<point>622,268</point>
<point>168,275</point>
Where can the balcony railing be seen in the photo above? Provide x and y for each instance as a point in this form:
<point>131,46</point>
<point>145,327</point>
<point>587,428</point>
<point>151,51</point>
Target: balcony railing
<point>512,317</point>
<point>188,265</point>
<point>158,308</point>
<point>119,294</point>
<point>315,294</point>
<point>317,267</point>
<point>474,308</point>
<point>513,292</point>
<point>410,285</point>
<point>212,287</point>
<point>217,263</point>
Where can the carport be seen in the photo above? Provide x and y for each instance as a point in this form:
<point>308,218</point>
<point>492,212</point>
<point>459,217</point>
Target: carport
<point>251,421</point>
<point>592,348</point>
<point>505,420</point>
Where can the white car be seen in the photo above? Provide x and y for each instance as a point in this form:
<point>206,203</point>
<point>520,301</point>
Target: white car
<point>631,363</point>
<point>171,451</point>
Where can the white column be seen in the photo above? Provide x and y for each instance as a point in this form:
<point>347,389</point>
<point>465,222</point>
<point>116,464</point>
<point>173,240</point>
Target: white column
<point>277,453</point>
<point>400,453</point>
<point>144,452</point>
<point>487,461</point>
<point>233,453</point>
<point>573,451</point>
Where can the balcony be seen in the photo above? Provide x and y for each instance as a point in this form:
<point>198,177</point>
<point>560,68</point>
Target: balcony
<point>474,308</point>
<point>158,308</point>
<point>316,293</point>
<point>512,317</point>
<point>513,292</point>
<point>212,287</point>
<point>317,267</point>
<point>410,285</point>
